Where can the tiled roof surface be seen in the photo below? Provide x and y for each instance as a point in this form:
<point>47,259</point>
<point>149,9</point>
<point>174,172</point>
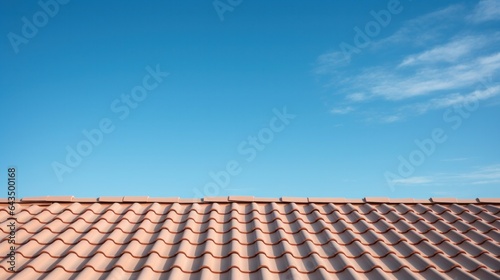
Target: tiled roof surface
<point>253,238</point>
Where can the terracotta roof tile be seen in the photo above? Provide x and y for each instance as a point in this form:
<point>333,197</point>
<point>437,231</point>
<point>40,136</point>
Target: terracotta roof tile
<point>86,199</point>
<point>164,199</point>
<point>294,199</point>
<point>422,201</point>
<point>110,199</point>
<point>215,199</point>
<point>377,200</point>
<point>324,200</point>
<point>443,200</point>
<point>489,200</point>
<point>403,200</point>
<point>241,198</point>
<point>264,199</point>
<point>135,199</point>
<point>254,238</point>
<point>190,200</point>
<point>354,200</point>
<point>48,198</point>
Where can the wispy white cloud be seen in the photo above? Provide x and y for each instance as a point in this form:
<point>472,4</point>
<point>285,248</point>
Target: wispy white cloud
<point>480,176</point>
<point>390,118</point>
<point>390,85</point>
<point>484,175</point>
<point>419,31</point>
<point>327,63</point>
<point>443,71</point>
<point>412,181</point>
<point>423,29</point>
<point>356,97</point>
<point>449,52</point>
<point>454,99</point>
<point>486,10</point>
<point>342,110</point>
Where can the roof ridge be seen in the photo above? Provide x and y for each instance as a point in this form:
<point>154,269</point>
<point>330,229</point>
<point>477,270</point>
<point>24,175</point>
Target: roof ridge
<point>225,199</point>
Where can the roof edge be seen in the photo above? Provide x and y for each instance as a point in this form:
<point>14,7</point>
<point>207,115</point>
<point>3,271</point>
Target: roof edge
<point>231,199</point>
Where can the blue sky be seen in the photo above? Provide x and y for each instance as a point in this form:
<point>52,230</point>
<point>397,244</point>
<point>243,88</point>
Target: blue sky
<point>190,99</point>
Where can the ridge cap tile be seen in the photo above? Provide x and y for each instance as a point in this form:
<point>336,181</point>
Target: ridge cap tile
<point>467,201</point>
<point>354,200</point>
<point>488,200</point>
<point>294,199</point>
<point>215,199</point>
<point>48,198</point>
<point>373,199</point>
<point>235,198</point>
<point>403,200</point>
<point>443,200</point>
<point>422,201</point>
<point>164,199</point>
<point>85,199</point>
<point>266,199</point>
<point>135,198</point>
<point>189,200</point>
<point>34,199</point>
<point>110,199</point>
<point>63,198</point>
<point>325,200</point>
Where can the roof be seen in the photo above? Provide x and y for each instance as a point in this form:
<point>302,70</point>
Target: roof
<point>253,238</point>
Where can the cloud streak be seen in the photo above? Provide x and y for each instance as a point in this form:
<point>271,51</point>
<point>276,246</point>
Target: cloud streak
<point>390,85</point>
<point>447,70</point>
<point>449,52</point>
<point>412,181</point>
<point>342,111</point>
<point>480,176</point>
<point>455,99</point>
<point>423,29</point>
<point>486,10</point>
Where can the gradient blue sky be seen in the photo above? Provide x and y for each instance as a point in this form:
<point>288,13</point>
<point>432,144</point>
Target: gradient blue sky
<point>361,93</point>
